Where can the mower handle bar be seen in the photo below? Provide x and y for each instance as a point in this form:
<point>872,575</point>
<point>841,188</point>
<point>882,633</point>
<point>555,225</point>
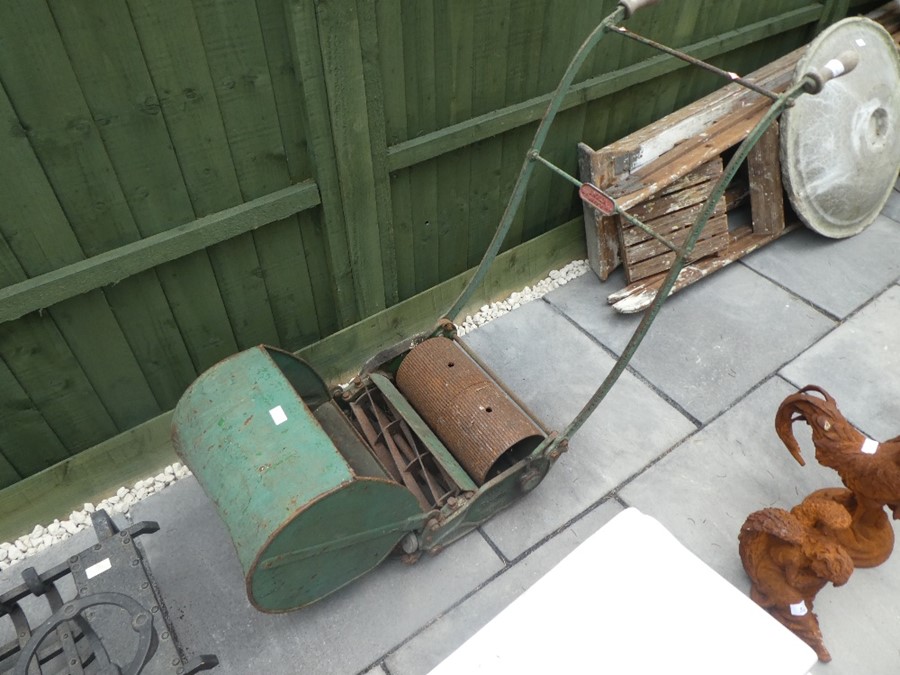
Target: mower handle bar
<point>843,64</point>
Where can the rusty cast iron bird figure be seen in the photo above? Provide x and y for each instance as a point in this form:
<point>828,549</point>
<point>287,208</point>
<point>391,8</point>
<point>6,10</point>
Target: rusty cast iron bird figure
<point>789,560</point>
<point>869,469</point>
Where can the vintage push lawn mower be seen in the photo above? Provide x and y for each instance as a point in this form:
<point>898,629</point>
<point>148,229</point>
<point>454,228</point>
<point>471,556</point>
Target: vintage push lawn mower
<point>317,487</point>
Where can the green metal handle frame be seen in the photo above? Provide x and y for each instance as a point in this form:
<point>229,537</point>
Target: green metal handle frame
<point>555,444</point>
<point>540,136</point>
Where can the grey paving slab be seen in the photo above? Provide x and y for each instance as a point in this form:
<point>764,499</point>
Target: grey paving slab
<point>427,649</point>
<point>555,368</point>
<point>838,275</point>
<point>860,621</point>
<point>196,567</point>
<point>704,490</point>
<point>711,342</point>
<point>858,364</point>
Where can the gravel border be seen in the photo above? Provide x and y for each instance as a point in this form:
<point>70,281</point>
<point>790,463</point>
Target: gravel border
<point>44,536</point>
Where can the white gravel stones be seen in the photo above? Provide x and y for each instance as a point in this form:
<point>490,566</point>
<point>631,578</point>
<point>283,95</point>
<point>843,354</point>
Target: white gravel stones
<point>554,280</point>
<point>124,498</point>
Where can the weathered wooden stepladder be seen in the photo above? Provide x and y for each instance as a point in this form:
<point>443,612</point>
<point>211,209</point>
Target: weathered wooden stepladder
<point>317,487</point>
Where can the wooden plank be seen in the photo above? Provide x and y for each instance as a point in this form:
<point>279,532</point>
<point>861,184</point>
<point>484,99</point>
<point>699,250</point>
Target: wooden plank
<point>601,232</point>
<point>418,56</point>
<point>705,247</point>
<point>527,51</point>
<point>834,10</point>
<point>550,198</point>
<point>647,145</point>
<point>64,158</point>
<point>766,192</point>
<point>706,172</point>
<point>291,108</point>
<point>676,233</point>
<point>489,124</point>
<point>558,43</point>
<point>173,53</point>
<point>8,473</point>
<point>239,66</point>
<point>686,24</point>
<point>339,33</point>
<point>23,426</point>
<point>667,225</point>
<point>369,45</point>
<point>453,64</point>
<point>488,93</point>
<point>689,155</point>
<point>108,268</point>
<point>106,55</point>
<point>598,129</point>
<point>638,296</point>
<point>392,70</point>
<point>303,34</point>
<point>670,202</point>
<point>43,364</point>
<point>49,103</point>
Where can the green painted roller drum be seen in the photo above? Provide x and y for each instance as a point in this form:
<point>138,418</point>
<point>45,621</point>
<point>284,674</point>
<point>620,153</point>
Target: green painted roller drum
<point>309,510</point>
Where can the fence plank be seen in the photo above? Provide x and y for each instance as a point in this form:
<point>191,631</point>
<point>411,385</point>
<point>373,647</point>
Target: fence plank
<point>562,37</point>
<point>239,68</point>
<point>8,474</point>
<point>369,45</point>
<point>418,57</point>
<point>339,33</point>
<point>74,165</point>
<point>106,58</point>
<point>526,51</point>
<point>392,66</point>
<point>291,119</point>
<point>23,426</point>
<point>173,51</point>
<point>303,34</point>
<point>488,93</point>
<point>453,46</point>
<point>45,367</point>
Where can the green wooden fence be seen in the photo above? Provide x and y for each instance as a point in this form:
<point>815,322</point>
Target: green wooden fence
<point>182,179</point>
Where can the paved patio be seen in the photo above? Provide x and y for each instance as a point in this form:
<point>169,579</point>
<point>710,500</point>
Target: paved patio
<point>686,436</point>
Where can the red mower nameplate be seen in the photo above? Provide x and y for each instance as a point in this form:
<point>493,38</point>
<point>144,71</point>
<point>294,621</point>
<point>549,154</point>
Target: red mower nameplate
<point>597,198</point>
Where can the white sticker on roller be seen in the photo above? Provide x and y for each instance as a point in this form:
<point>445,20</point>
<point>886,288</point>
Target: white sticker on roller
<point>869,447</point>
<point>98,568</point>
<point>278,415</point>
<point>836,67</point>
<point>860,42</point>
<point>799,609</point>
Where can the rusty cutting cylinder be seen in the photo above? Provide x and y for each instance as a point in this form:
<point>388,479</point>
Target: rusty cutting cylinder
<point>478,422</point>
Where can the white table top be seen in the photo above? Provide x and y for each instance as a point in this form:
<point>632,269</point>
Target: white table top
<point>632,599</point>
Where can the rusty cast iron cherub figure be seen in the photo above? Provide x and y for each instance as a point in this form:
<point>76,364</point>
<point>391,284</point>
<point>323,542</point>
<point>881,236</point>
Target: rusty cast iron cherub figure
<point>870,470</point>
<point>789,559</point>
